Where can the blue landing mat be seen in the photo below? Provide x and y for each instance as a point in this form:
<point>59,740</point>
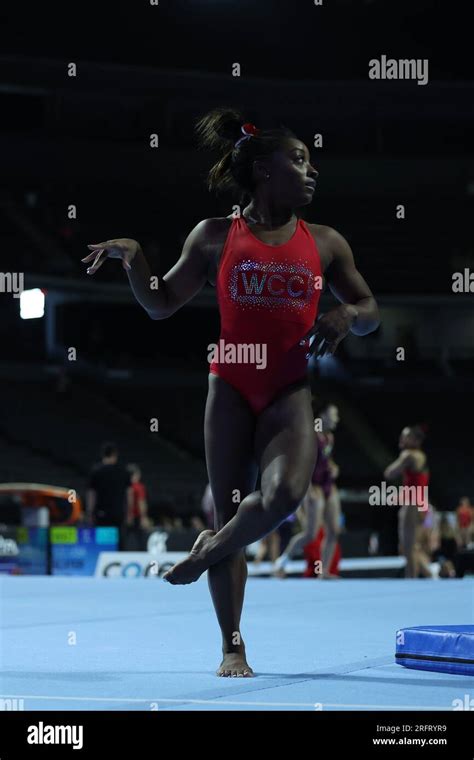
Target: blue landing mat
<point>442,648</point>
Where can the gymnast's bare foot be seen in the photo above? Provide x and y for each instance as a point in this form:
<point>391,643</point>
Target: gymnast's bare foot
<point>235,665</point>
<point>191,568</point>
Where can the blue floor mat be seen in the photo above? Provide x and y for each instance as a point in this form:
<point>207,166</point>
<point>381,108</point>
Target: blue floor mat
<point>142,644</point>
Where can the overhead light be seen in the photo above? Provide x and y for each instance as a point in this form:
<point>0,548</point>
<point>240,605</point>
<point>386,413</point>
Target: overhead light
<point>32,304</point>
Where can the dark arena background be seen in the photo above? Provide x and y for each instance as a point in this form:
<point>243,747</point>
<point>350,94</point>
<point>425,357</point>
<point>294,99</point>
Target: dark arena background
<point>103,470</point>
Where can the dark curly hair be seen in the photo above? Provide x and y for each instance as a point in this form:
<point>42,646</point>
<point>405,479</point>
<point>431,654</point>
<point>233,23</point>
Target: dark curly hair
<point>220,129</point>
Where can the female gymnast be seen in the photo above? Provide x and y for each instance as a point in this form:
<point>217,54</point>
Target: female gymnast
<point>267,265</point>
<point>321,505</point>
<point>412,466</point>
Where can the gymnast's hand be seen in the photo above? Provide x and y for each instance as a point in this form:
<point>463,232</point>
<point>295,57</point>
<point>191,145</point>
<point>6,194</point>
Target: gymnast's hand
<point>330,329</point>
<point>120,248</point>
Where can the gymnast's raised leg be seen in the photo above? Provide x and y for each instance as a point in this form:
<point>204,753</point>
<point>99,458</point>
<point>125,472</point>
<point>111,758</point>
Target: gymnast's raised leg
<point>285,450</point>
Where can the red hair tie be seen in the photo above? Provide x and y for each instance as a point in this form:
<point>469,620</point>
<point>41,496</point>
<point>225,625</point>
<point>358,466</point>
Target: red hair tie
<point>248,130</point>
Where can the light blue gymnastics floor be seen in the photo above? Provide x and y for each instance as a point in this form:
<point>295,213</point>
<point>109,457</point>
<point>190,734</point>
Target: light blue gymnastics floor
<point>141,644</point>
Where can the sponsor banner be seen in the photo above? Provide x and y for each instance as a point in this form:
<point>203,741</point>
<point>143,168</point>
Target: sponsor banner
<point>135,564</point>
<point>74,551</point>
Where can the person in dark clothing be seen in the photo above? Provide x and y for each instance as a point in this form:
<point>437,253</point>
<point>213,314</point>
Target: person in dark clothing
<point>109,495</point>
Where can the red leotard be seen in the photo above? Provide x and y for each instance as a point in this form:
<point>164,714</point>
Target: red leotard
<point>268,296</point>
<point>464,513</point>
<point>419,480</point>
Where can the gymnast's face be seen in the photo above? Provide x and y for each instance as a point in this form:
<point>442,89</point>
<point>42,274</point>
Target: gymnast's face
<point>292,178</point>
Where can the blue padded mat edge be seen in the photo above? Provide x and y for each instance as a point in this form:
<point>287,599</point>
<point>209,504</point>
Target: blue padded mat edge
<point>443,648</point>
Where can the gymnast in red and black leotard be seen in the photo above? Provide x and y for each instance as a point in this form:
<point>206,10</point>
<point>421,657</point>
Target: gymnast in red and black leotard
<point>265,263</point>
<point>412,467</point>
<point>321,505</point>
<point>323,473</point>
